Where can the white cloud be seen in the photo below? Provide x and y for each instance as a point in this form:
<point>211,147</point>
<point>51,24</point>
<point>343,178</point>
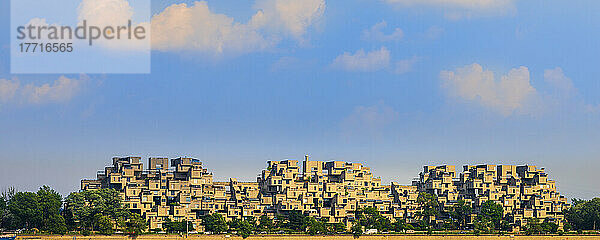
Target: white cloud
<point>180,27</point>
<point>434,32</point>
<point>105,12</point>
<point>363,61</point>
<point>61,90</point>
<point>372,61</point>
<point>511,93</point>
<point>291,16</point>
<point>561,83</point>
<point>456,9</point>
<point>368,121</point>
<point>375,33</point>
<point>562,95</point>
<point>8,89</point>
<point>197,28</point>
<point>405,65</point>
<point>113,13</point>
<point>465,4</point>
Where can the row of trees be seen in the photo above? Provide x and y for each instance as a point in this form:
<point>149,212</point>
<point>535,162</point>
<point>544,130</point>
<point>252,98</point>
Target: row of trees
<point>102,212</point>
<point>87,211</point>
<point>39,210</point>
<point>583,215</point>
<point>490,218</point>
<point>294,221</point>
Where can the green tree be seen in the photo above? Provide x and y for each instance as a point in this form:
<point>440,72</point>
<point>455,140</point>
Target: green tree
<point>265,223</point>
<point>171,227</point>
<point>356,230</point>
<point>549,227</point>
<point>533,226</point>
<point>316,227</point>
<point>279,221</point>
<point>82,209</point>
<point>214,223</point>
<point>103,224</point>
<point>491,215</point>
<point>584,215</point>
<point>50,203</point>
<point>245,228</point>
<point>296,221</point>
<point>399,225</point>
<point>370,218</point>
<point>429,207</point>
<point>3,211</point>
<point>56,224</point>
<point>492,210</point>
<point>25,208</point>
<point>338,227</point>
<point>177,227</point>
<point>136,225</point>
<point>461,211</point>
<point>483,225</point>
<point>6,217</point>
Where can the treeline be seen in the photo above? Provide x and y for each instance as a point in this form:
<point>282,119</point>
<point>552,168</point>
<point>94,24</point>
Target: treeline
<point>293,222</point>
<point>84,212</point>
<point>583,215</point>
<point>102,212</point>
<point>41,210</point>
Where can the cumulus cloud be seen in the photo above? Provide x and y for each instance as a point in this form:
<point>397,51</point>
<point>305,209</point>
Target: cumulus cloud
<point>466,4</point>
<point>180,27</point>
<point>562,94</point>
<point>561,83</point>
<point>405,65</point>
<point>372,61</point>
<point>375,33</point>
<point>369,121</point>
<point>61,90</point>
<point>511,93</point>
<point>105,12</point>
<point>362,61</point>
<point>195,27</point>
<point>290,16</point>
<point>456,9</point>
<point>113,13</point>
<point>42,22</point>
<point>8,89</point>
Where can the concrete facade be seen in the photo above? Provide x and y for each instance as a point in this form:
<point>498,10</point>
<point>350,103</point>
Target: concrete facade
<point>182,189</point>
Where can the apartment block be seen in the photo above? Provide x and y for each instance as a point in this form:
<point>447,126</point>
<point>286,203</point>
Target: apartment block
<point>330,190</point>
<point>523,191</point>
<point>182,189</point>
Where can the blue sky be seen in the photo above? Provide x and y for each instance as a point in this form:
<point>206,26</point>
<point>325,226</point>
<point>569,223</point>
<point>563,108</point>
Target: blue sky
<point>345,85</point>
